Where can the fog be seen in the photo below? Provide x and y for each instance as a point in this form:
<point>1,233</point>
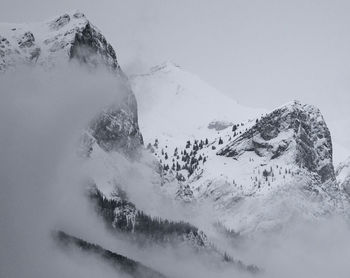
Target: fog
<point>303,249</point>
<point>42,115</point>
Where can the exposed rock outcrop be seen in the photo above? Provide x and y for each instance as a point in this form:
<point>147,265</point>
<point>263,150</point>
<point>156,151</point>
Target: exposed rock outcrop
<point>295,129</point>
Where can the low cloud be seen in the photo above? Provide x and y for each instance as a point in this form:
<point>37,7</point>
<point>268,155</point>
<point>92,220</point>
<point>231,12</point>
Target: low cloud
<point>42,115</point>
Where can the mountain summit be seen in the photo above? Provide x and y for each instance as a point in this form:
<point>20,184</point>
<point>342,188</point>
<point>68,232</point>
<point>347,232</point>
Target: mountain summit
<point>176,105</point>
<point>68,36</point>
<point>296,130</point>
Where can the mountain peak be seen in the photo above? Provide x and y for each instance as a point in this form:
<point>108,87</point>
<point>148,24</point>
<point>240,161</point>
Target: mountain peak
<point>67,18</point>
<point>297,105</point>
<point>70,35</point>
<point>166,66</point>
<point>186,103</point>
<point>297,131</point>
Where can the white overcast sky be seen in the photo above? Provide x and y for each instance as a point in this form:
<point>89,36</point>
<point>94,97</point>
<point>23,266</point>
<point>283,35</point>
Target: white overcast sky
<point>262,52</point>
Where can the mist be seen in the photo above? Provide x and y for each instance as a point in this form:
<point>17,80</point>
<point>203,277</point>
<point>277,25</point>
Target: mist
<point>42,115</point>
<point>43,179</point>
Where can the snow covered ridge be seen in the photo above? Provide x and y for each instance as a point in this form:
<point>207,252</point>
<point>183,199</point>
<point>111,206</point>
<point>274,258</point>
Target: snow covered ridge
<point>68,36</point>
<point>308,143</point>
<point>189,107</point>
<point>72,37</point>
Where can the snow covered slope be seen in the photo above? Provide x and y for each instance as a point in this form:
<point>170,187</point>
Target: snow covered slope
<point>175,105</point>
<point>259,171</point>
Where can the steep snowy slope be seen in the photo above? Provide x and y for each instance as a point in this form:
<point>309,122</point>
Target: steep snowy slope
<point>175,106</point>
<point>296,130</point>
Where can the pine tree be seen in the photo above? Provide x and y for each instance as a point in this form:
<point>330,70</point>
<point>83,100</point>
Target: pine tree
<point>178,167</point>
<point>266,174</point>
<point>156,143</point>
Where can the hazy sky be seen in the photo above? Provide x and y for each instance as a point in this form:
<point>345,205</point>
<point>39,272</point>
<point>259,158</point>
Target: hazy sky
<point>262,52</point>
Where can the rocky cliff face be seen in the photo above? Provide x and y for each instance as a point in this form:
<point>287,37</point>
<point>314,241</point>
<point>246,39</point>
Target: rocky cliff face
<point>55,41</point>
<point>116,128</point>
<point>296,130</point>
<point>72,38</point>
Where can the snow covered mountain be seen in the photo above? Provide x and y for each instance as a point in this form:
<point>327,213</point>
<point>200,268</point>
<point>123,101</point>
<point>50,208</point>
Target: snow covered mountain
<point>52,42</point>
<point>259,171</point>
<point>295,129</point>
<point>112,144</point>
<point>72,38</point>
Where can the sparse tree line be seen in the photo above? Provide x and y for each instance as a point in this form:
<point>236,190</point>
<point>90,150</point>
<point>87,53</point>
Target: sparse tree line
<point>155,228</point>
<point>183,163</point>
<point>188,159</point>
<point>121,263</point>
